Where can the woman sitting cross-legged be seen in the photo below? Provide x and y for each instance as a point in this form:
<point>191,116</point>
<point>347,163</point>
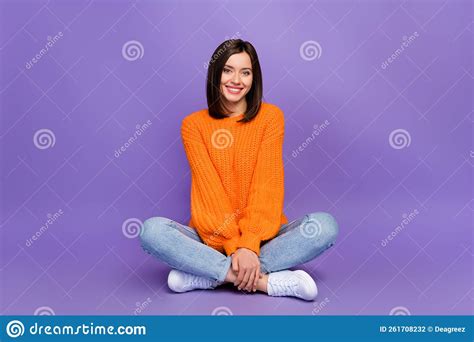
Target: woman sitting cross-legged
<point>238,232</point>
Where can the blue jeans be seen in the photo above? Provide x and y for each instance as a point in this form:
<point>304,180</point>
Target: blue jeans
<point>180,246</point>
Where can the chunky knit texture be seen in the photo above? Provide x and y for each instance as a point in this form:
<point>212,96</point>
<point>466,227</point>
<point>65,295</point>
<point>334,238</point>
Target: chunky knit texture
<point>237,186</point>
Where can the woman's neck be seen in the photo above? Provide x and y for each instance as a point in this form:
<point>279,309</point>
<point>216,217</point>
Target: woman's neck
<point>236,108</point>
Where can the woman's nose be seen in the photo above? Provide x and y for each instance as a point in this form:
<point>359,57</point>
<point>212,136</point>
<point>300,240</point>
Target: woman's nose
<point>236,79</point>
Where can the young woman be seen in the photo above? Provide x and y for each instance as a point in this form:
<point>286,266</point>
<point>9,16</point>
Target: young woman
<point>238,232</point>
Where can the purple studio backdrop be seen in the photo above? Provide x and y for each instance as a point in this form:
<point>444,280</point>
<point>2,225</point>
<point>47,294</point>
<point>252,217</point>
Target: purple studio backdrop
<point>377,97</point>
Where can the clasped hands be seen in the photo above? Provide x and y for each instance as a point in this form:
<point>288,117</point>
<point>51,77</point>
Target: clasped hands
<point>246,265</point>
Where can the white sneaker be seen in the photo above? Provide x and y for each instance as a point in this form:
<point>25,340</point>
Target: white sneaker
<point>179,281</point>
<point>292,283</point>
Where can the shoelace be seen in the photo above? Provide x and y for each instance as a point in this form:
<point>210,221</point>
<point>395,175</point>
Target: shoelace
<point>284,286</point>
<point>199,281</point>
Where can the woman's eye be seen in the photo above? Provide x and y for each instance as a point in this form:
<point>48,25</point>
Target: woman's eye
<point>226,70</point>
<point>246,73</point>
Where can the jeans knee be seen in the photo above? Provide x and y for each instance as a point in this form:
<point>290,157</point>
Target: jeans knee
<point>153,231</point>
<point>325,226</point>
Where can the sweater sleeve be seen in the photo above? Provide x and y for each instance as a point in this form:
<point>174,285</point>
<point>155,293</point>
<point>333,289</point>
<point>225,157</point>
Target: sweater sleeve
<point>211,209</point>
<point>262,215</point>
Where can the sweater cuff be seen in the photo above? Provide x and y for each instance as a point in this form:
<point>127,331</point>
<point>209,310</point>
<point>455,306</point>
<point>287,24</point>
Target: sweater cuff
<point>251,241</point>
<point>230,245</point>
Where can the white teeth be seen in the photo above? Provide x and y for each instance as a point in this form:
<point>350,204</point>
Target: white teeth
<point>234,90</point>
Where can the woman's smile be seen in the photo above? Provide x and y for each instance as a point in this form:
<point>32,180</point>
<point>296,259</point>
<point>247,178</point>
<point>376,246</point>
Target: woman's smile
<point>233,89</point>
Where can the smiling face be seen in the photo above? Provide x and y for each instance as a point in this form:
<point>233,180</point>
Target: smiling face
<point>237,77</point>
<point>234,83</point>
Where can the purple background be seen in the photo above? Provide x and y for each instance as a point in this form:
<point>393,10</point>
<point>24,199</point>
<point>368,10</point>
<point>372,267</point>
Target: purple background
<point>92,98</point>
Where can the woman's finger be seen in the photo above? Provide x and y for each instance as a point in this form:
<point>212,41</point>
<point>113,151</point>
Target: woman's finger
<point>240,276</point>
<point>243,284</point>
<point>251,281</point>
<point>235,264</point>
<point>257,276</point>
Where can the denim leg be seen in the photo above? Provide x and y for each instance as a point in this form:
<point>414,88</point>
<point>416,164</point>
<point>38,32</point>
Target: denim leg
<point>180,247</point>
<point>298,242</point>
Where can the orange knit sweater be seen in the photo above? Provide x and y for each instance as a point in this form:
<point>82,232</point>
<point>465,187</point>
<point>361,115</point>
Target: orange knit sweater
<point>237,183</point>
